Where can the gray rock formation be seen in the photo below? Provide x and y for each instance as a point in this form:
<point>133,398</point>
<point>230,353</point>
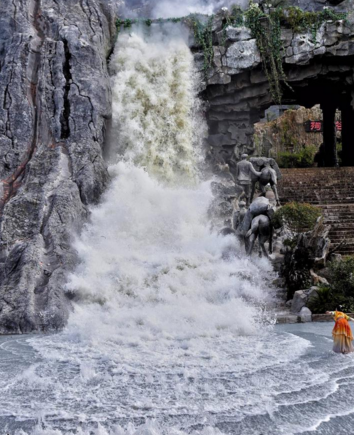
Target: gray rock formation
<point>305,315</point>
<point>55,101</point>
<point>302,298</point>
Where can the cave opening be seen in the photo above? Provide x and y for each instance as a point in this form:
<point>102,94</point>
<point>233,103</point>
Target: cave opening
<point>235,108</point>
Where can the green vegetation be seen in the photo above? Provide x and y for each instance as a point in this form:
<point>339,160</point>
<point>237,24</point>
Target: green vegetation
<point>300,21</point>
<point>203,35</point>
<point>301,159</point>
<point>339,294</point>
<point>265,28</point>
<point>299,217</point>
<point>340,153</point>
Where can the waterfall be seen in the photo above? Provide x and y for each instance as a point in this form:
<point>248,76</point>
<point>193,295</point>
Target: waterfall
<point>154,105</point>
<point>148,257</point>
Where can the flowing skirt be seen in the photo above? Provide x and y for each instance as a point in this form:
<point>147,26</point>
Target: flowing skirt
<point>342,337</point>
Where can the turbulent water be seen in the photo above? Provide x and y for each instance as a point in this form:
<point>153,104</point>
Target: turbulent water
<point>170,332</point>
<point>284,382</point>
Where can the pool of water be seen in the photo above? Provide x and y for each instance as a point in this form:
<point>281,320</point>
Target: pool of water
<point>282,381</point>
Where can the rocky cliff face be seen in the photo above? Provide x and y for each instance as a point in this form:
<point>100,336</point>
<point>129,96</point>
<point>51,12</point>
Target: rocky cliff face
<point>55,103</point>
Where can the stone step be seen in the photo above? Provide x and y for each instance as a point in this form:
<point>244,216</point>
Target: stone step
<point>341,207</point>
<point>336,242</point>
<point>316,193</point>
<point>318,179</point>
<point>288,197</point>
<point>348,239</point>
<point>318,199</point>
<point>336,230</point>
<point>333,235</point>
<point>333,215</point>
<point>336,221</point>
<point>330,188</point>
<point>314,202</point>
<point>348,169</point>
<point>345,225</point>
<point>349,234</point>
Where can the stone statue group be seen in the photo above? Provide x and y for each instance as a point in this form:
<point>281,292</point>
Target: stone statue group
<point>253,218</point>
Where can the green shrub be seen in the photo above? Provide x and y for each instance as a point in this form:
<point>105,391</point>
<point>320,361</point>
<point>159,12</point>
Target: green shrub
<point>342,276</point>
<point>340,153</point>
<point>339,294</point>
<point>299,217</point>
<point>301,159</point>
<point>323,302</point>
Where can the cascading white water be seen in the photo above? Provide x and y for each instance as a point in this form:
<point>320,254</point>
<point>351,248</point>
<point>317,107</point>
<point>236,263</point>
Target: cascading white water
<point>154,105</point>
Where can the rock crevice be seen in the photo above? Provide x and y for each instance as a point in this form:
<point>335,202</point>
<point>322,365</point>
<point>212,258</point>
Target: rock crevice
<point>55,100</point>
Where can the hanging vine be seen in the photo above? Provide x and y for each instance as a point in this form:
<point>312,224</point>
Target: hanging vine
<point>203,34</point>
<point>265,28</point>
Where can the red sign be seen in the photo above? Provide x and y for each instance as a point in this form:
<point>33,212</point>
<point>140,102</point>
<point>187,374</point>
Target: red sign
<point>317,126</point>
<point>313,126</point>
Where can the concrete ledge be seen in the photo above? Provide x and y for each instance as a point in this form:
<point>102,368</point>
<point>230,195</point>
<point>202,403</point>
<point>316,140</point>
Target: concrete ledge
<point>322,318</point>
<point>326,317</point>
<point>294,318</point>
<point>288,318</point>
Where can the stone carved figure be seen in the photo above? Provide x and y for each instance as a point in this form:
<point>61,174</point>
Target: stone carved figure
<point>238,215</point>
<point>262,229</point>
<point>260,205</point>
<point>257,222</point>
<point>245,173</point>
<point>267,176</point>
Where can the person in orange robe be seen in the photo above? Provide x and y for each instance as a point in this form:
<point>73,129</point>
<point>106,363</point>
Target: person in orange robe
<point>342,334</point>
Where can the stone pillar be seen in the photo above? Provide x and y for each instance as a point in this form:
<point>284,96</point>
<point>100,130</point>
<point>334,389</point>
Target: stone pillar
<point>347,135</point>
<point>329,134</point>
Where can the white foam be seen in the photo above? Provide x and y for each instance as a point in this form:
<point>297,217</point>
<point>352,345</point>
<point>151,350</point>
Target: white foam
<point>151,428</point>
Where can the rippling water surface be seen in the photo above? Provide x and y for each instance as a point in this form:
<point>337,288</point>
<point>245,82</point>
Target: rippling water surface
<point>285,381</point>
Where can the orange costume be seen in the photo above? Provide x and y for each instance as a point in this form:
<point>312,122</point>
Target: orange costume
<point>342,334</point>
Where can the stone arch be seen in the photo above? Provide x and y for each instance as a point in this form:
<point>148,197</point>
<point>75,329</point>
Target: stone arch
<point>238,92</point>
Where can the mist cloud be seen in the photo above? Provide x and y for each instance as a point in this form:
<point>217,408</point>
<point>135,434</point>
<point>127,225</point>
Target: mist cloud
<point>177,8</point>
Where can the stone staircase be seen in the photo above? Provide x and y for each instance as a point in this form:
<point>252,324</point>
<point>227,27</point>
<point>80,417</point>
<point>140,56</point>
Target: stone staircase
<point>332,189</point>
